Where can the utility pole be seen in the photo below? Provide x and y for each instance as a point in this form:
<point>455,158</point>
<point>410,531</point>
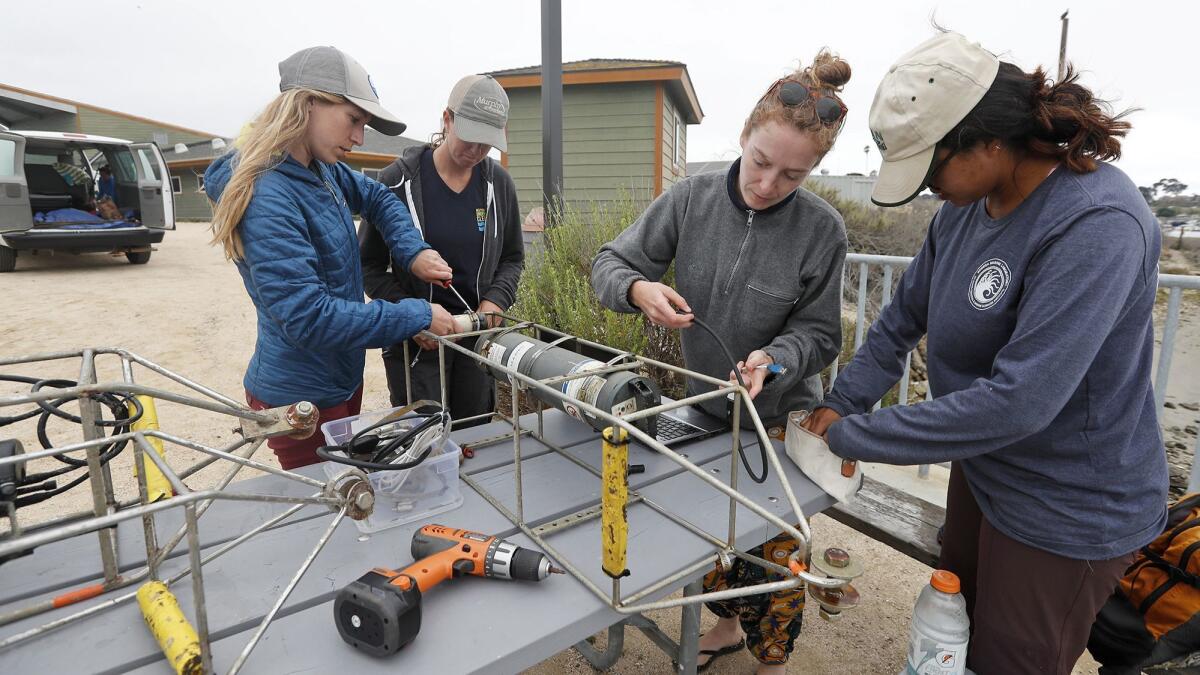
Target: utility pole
<point>866,159</point>
<point>1062,48</point>
<point>552,137</point>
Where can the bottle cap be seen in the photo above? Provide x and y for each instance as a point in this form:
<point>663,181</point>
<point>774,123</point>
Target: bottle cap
<point>944,581</point>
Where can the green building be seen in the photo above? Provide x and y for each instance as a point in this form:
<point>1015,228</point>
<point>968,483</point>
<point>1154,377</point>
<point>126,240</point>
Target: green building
<point>188,152</point>
<point>624,129</point>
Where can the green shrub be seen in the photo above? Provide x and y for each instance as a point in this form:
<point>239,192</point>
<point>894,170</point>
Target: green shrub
<point>556,290</point>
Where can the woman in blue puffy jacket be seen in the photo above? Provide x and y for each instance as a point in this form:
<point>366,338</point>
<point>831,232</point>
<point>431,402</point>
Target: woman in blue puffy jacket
<point>283,214</point>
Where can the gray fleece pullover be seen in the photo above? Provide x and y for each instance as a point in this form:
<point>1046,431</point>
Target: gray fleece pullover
<point>765,280</point>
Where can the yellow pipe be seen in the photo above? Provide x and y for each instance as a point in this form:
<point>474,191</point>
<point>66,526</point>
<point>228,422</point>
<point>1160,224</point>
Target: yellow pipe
<point>168,625</point>
<point>157,486</point>
<point>614,523</point>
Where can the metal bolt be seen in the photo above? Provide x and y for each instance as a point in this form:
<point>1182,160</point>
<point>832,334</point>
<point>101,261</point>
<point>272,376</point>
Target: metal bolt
<point>364,501</point>
<point>304,408</point>
<point>828,615</point>
<point>837,557</point>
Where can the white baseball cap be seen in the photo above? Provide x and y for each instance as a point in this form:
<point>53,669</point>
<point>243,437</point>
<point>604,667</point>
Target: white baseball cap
<point>924,95</point>
<point>332,71</point>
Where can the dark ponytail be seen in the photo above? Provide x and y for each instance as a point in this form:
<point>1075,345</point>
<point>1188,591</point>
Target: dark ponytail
<point>1027,111</point>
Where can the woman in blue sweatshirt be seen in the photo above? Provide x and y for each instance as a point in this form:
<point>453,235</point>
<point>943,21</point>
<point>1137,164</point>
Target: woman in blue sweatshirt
<point>1035,288</point>
<point>284,215</point>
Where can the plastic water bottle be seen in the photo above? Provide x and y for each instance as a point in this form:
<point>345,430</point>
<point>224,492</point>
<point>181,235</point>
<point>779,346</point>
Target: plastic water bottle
<point>940,629</point>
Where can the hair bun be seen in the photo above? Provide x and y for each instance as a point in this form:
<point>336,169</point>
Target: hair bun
<point>828,71</point>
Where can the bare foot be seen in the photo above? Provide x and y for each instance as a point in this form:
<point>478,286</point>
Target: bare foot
<point>726,633</point>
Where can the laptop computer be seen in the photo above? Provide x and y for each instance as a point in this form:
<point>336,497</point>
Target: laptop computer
<point>687,424</point>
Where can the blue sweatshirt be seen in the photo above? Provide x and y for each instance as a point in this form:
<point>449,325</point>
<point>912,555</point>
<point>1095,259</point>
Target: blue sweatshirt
<point>1040,344</point>
<point>302,271</point>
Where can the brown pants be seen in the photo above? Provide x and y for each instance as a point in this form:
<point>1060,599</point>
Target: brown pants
<point>294,453</point>
<point>1031,611</point>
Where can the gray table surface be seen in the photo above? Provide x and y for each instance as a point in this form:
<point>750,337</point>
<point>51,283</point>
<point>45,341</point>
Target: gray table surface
<point>468,625</point>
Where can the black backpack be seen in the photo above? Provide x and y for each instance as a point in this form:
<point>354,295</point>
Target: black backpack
<point>1154,615</point>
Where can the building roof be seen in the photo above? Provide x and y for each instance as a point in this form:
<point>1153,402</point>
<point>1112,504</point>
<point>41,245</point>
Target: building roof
<point>673,74</point>
<point>694,168</point>
<point>376,146</point>
<point>381,144</point>
<point>588,64</point>
<point>22,106</point>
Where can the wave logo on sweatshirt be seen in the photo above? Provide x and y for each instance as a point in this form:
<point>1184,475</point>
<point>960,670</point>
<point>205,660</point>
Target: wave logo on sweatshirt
<point>989,284</point>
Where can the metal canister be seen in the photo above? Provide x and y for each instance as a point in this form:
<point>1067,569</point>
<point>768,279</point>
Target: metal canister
<point>619,393</point>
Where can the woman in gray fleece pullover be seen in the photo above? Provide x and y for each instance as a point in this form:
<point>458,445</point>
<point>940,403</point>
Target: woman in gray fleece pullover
<point>1036,289</point>
<point>758,259</point>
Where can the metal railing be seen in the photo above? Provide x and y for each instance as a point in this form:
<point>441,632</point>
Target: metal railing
<point>862,264</point>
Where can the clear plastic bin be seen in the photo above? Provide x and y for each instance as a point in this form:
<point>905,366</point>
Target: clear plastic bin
<point>402,496</point>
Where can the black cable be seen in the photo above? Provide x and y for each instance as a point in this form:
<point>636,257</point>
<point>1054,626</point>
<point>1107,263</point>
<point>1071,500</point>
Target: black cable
<point>5,421</point>
<point>121,422</point>
<point>35,487</point>
<point>37,498</point>
<point>737,373</point>
<point>325,451</point>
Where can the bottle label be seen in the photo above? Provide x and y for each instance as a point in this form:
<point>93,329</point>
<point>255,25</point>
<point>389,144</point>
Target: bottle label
<point>930,657</point>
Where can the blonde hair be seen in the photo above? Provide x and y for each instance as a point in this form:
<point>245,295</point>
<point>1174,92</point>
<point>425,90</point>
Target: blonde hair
<point>827,74</point>
<point>259,149</point>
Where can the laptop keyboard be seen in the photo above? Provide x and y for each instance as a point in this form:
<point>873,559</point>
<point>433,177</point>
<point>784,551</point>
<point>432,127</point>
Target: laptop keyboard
<point>670,428</point>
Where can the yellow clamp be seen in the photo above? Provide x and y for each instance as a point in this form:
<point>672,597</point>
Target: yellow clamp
<point>175,636</point>
<point>614,524</point>
<point>157,486</point>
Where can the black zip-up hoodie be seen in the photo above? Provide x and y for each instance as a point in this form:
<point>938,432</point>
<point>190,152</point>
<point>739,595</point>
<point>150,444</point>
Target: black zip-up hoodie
<point>503,248</point>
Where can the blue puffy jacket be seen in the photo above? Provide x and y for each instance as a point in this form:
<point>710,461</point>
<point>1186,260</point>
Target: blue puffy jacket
<point>302,270</point>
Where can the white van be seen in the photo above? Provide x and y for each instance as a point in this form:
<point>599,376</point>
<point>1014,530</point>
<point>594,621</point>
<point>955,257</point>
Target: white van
<point>49,187</point>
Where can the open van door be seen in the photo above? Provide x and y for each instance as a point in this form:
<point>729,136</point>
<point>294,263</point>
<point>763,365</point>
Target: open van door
<point>157,202</point>
<point>15,214</point>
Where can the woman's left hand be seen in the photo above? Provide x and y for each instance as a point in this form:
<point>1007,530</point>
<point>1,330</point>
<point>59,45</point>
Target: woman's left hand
<point>492,312</point>
<point>751,373</point>
<point>820,420</point>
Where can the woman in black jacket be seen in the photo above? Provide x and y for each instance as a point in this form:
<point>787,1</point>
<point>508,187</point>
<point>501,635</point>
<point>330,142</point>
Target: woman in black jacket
<point>465,206</point>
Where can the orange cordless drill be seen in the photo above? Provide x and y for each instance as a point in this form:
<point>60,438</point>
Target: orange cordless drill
<point>381,612</point>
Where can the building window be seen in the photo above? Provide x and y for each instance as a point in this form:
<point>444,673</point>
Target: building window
<point>373,174</point>
<point>176,185</point>
<point>199,182</point>
<point>679,142</point>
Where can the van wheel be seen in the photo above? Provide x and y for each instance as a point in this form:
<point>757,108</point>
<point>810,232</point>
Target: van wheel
<point>138,257</point>
<point>8,259</point>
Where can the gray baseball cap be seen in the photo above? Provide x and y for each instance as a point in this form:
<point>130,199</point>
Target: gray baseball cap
<point>333,71</point>
<point>480,109</point>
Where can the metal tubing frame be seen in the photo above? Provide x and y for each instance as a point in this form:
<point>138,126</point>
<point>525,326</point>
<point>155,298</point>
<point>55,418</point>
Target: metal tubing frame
<point>519,381</point>
<point>107,512</point>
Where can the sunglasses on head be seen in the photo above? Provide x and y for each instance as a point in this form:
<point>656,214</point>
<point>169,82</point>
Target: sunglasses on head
<point>828,109</point>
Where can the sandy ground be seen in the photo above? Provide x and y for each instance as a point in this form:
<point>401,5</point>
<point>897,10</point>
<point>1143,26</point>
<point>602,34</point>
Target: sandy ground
<point>187,311</point>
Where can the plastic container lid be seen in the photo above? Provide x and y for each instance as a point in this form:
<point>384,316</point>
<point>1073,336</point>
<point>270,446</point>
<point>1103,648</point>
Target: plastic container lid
<point>944,581</point>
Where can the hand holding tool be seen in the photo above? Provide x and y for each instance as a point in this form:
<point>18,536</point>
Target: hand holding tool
<point>381,612</point>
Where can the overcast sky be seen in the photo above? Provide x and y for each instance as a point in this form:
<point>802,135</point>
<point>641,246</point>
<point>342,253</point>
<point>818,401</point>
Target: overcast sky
<point>212,65</point>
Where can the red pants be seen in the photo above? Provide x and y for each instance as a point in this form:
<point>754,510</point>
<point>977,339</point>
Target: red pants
<point>297,452</point>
